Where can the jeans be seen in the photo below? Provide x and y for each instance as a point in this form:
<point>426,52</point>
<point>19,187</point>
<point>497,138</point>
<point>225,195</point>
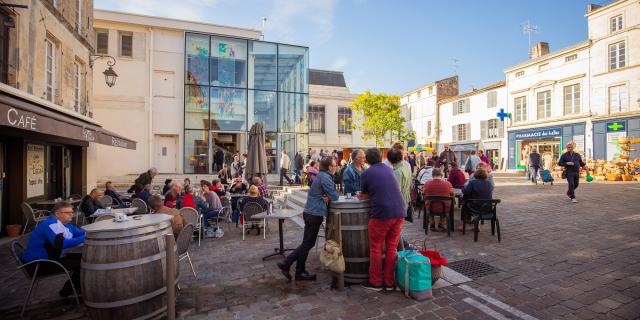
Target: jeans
<point>573,179</point>
<point>283,174</point>
<point>527,173</point>
<point>312,225</point>
<point>297,179</point>
<point>534,174</point>
<point>385,231</point>
<point>210,214</point>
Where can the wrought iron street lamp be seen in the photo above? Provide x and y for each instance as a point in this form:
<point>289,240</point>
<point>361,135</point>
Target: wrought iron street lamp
<point>109,74</point>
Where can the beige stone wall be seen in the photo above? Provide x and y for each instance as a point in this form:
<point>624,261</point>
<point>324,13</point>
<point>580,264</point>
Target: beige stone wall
<point>27,57</point>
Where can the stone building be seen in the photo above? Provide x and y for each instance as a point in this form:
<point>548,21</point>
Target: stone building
<point>46,125</point>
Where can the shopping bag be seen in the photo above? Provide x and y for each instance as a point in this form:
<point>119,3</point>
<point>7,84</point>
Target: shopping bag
<point>331,256</point>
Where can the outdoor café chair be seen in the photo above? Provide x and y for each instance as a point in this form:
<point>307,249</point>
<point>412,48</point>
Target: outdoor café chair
<point>17,248</point>
<point>141,205</point>
<point>106,201</point>
<point>183,241</point>
<point>419,204</point>
<point>192,216</point>
<point>32,216</point>
<point>248,211</point>
<point>432,212</point>
<point>104,217</point>
<point>225,213</point>
<point>480,210</point>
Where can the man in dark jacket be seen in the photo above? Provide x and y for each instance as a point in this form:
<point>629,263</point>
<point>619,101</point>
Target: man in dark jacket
<point>572,161</point>
<point>447,157</point>
<point>90,203</point>
<point>218,160</point>
<point>144,179</point>
<point>535,162</point>
<point>299,165</point>
<point>111,192</point>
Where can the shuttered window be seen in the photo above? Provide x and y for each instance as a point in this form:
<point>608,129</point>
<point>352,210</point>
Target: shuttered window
<point>572,99</point>
<point>126,44</point>
<point>461,132</point>
<point>520,109</point>
<point>544,104</point>
<point>102,42</point>
<point>492,99</point>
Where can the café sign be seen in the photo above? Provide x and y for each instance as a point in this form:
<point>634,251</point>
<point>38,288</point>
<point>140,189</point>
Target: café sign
<point>538,134</point>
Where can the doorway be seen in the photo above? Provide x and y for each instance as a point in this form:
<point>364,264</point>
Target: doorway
<point>231,143</point>
<point>166,153</point>
<point>56,172</point>
<point>494,158</point>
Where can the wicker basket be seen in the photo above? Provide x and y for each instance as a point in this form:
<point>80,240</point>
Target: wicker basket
<point>436,272</point>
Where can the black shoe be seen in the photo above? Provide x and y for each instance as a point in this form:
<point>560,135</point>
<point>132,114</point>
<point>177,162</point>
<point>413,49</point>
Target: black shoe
<point>285,271</point>
<point>433,227</point>
<point>369,286</point>
<point>305,276</point>
<point>66,290</point>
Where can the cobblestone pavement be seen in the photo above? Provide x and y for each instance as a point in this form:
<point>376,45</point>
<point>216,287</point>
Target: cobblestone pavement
<point>557,260</point>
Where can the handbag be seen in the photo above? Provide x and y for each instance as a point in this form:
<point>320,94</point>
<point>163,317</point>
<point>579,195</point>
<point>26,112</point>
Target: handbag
<point>331,256</point>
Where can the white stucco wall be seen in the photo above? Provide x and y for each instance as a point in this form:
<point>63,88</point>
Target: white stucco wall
<point>420,108</point>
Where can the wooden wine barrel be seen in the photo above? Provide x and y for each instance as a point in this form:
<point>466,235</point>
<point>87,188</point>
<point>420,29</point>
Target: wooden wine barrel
<point>353,217</point>
<point>123,270</point>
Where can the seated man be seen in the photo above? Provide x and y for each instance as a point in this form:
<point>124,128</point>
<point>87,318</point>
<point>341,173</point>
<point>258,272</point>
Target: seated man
<point>111,192</point>
<point>257,181</point>
<point>254,196</point>
<point>177,222</point>
<point>218,188</point>
<point>441,188</point>
<point>425,174</point>
<point>51,239</point>
<point>90,203</point>
<point>456,176</point>
<point>214,206</point>
<point>173,195</point>
<point>239,185</point>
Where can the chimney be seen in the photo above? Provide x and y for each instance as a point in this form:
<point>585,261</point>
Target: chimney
<point>592,6</point>
<point>539,49</point>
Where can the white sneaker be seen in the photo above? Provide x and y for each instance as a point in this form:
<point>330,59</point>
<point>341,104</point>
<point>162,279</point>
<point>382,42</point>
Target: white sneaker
<point>574,200</point>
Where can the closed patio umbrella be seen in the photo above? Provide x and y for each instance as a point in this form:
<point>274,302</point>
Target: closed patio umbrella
<point>256,157</point>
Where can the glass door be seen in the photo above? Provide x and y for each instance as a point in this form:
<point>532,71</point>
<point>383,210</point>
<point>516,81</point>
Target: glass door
<point>288,144</point>
<point>231,144</point>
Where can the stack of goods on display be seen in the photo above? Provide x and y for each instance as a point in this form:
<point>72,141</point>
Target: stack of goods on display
<point>621,167</point>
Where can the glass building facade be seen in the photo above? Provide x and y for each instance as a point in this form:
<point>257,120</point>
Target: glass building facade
<point>232,83</point>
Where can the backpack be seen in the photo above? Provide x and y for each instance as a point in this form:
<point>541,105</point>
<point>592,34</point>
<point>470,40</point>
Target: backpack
<point>413,275</point>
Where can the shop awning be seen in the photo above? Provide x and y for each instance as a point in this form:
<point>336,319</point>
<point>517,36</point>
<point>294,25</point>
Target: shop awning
<point>20,111</point>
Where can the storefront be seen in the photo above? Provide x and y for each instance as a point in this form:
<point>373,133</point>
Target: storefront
<point>606,134</point>
<point>232,83</point>
<point>463,151</point>
<point>43,151</point>
<point>548,141</point>
<point>492,151</point>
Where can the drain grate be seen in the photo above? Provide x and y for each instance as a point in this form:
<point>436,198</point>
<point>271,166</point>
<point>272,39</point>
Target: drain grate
<point>472,268</point>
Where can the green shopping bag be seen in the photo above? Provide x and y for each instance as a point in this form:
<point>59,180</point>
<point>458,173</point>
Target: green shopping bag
<point>413,274</point>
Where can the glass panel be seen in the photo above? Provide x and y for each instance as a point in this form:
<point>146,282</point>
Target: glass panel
<point>228,109</point>
<point>292,113</point>
<point>262,65</point>
<point>271,146</point>
<point>263,108</point>
<point>197,48</point>
<point>196,145</point>
<point>292,68</point>
<point>288,144</point>
<point>303,145</point>
<point>228,62</point>
<point>196,107</point>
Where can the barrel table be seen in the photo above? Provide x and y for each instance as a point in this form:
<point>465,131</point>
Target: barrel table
<point>123,269</point>
<point>347,223</point>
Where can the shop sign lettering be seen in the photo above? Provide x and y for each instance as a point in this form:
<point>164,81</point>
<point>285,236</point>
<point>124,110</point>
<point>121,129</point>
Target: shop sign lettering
<point>539,134</point>
<point>118,143</point>
<point>22,120</point>
<point>88,135</point>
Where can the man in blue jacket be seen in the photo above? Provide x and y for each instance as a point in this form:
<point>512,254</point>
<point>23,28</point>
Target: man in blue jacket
<point>322,190</point>
<point>535,162</point>
<point>571,161</point>
<point>52,240</point>
<point>353,173</point>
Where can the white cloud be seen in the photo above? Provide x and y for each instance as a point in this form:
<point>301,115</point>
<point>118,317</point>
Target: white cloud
<point>288,16</point>
<point>339,64</point>
<point>193,10</point>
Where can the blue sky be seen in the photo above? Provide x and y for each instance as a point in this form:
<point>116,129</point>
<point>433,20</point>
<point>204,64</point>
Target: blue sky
<point>393,46</point>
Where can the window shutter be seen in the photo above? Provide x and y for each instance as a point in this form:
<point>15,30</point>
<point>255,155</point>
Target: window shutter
<point>454,133</point>
<point>500,129</point>
<point>467,105</point>
<point>483,129</point>
<point>454,107</point>
<point>467,132</point>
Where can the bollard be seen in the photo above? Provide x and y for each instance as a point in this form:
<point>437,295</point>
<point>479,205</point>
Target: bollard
<point>171,280</point>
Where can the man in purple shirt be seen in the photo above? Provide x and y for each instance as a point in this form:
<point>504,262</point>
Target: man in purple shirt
<point>388,209</point>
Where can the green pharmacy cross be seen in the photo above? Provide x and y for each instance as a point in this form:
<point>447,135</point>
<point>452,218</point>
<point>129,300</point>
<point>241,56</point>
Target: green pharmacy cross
<point>615,126</point>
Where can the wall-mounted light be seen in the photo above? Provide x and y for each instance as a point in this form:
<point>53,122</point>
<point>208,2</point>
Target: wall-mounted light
<point>109,74</point>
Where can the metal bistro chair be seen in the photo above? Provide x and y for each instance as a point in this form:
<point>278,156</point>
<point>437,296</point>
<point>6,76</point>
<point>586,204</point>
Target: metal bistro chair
<point>191,216</point>
<point>32,216</point>
<point>106,201</point>
<point>183,242</point>
<point>419,204</point>
<point>17,248</point>
<point>225,214</point>
<point>430,212</point>
<point>480,210</point>
<point>248,211</point>
<point>141,205</point>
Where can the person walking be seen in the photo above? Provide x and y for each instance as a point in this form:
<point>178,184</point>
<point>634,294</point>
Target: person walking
<point>352,174</point>
<point>535,162</point>
<point>385,220</point>
<point>572,162</point>
<point>299,165</point>
<point>218,160</point>
<point>321,192</point>
<point>145,178</point>
<point>447,157</point>
<point>285,163</point>
<point>472,163</point>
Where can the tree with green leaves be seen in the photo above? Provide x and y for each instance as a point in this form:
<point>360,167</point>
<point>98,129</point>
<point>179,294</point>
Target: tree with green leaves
<point>379,117</point>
